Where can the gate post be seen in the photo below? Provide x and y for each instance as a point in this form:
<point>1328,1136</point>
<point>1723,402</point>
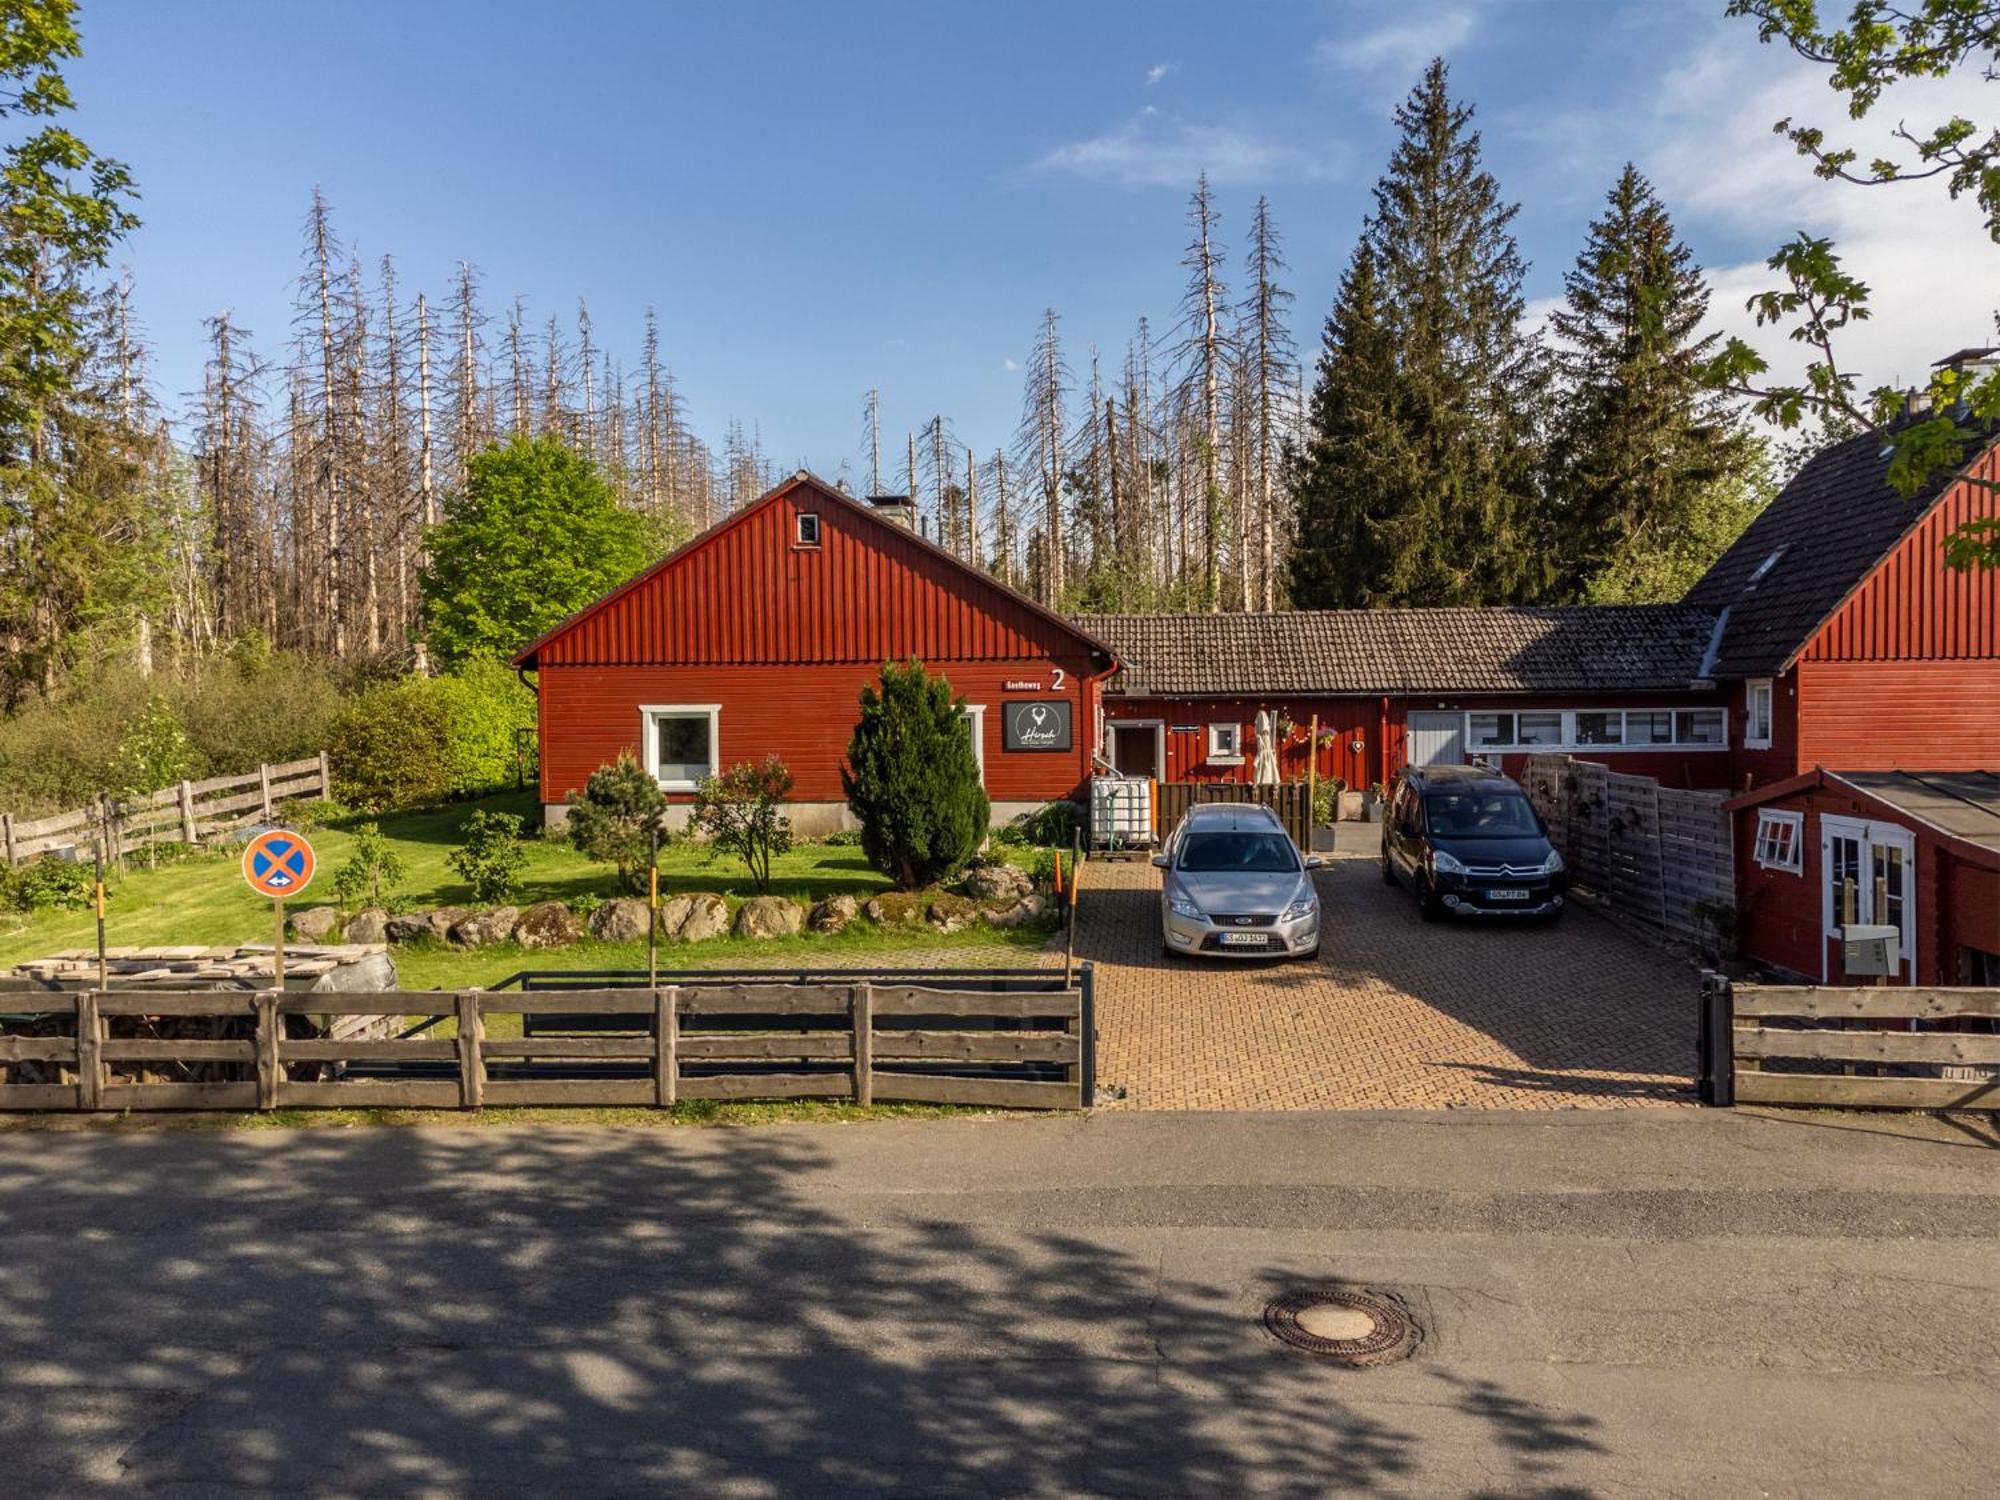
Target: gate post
<point>1087,1041</point>
<point>1716,1041</point>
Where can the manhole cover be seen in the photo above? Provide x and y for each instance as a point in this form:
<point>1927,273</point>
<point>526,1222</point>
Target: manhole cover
<point>1356,1328</point>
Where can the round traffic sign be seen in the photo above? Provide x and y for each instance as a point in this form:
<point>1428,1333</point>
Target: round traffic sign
<point>278,863</point>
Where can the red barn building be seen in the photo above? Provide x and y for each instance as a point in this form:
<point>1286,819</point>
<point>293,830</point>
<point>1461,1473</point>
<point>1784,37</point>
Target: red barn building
<point>1919,852</point>
<point>757,637</point>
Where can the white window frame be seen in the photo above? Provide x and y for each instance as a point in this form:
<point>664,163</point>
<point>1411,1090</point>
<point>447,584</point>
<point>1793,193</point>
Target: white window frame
<point>1568,741</point>
<point>799,528</point>
<point>1217,756</point>
<point>1870,835</point>
<point>1766,850</point>
<point>975,719</point>
<point>1753,689</point>
<point>649,716</point>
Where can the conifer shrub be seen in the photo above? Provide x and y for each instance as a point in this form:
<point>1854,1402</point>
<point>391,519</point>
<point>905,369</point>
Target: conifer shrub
<point>615,818</point>
<point>912,778</point>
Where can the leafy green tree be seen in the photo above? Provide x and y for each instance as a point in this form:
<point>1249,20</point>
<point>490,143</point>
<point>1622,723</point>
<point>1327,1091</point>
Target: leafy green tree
<point>490,856</point>
<point>742,812</point>
<point>616,817</point>
<point>153,751</point>
<point>373,867</point>
<point>535,535</point>
<point>912,778</point>
<point>1883,44</point>
<point>1642,439</point>
<point>73,503</point>
<point>1446,509</point>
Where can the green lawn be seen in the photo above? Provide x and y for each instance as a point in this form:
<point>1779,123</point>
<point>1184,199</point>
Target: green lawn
<point>205,901</point>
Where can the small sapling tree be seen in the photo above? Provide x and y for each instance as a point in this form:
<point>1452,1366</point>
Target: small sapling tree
<point>372,868</point>
<point>491,857</point>
<point>742,812</point>
<point>912,778</point>
<point>615,817</point>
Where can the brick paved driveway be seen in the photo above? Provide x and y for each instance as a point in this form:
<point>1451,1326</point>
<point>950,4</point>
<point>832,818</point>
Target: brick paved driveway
<point>1397,1014</point>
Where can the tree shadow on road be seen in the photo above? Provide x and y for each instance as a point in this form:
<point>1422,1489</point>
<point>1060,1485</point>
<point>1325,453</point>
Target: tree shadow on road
<point>606,1313</point>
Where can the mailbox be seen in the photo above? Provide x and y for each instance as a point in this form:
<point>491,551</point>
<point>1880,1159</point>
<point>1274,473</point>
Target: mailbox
<point>1867,950</point>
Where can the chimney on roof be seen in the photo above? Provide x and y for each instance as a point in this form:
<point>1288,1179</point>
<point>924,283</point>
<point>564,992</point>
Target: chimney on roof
<point>898,508</point>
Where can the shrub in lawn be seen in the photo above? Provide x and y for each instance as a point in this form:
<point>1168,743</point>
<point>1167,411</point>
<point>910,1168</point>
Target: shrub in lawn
<point>46,884</point>
<point>372,868</point>
<point>491,857</point>
<point>388,749</point>
<point>742,812</point>
<point>154,751</point>
<point>912,778</point>
<point>1051,826</point>
<point>484,705</point>
<point>615,818</point>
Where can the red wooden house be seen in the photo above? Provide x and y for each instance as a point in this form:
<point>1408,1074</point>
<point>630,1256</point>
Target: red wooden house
<point>1919,852</point>
<point>758,636</point>
<point>1832,633</point>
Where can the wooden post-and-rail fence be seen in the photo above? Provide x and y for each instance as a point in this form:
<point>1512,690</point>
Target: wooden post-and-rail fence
<point>185,813</point>
<point>1888,1047</point>
<point>869,1042</point>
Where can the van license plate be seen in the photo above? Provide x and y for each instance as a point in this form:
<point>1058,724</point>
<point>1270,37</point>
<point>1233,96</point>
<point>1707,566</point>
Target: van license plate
<point>1242,940</point>
<point>1510,894</point>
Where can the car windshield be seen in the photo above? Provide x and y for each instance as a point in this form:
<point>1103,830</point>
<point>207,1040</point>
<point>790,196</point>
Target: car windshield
<point>1481,813</point>
<point>1220,851</point>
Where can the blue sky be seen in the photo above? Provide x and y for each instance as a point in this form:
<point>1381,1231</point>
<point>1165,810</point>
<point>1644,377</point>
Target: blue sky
<point>819,198</point>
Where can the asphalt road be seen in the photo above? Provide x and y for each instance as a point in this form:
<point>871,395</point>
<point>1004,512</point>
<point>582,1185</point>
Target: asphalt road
<point>1647,1304</point>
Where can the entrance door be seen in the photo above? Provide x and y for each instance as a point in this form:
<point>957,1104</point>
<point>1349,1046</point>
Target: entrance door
<point>1436,739</point>
<point>1135,749</point>
<point>1866,878</point>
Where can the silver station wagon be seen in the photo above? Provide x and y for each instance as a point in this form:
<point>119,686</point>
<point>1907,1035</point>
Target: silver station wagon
<point>1233,885</point>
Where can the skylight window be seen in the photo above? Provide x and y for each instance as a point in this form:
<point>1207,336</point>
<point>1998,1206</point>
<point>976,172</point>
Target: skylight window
<point>1766,565</point>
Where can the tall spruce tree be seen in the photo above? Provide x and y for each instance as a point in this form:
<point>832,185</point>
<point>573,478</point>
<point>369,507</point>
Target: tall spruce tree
<point>1447,507</point>
<point>1352,453</point>
<point>1646,463</point>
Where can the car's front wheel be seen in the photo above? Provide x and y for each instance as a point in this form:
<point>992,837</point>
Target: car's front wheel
<point>1388,869</point>
<point>1429,907</point>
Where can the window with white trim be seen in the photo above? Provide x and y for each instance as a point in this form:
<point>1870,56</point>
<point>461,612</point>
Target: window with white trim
<point>1487,730</point>
<point>1600,727</point>
<point>1780,840</point>
<point>679,743</point>
<point>1225,743</point>
<point>1700,726</point>
<point>975,723</point>
<point>1757,714</point>
<point>808,529</point>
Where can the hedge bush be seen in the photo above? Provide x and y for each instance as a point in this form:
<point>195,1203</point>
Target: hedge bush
<point>421,741</point>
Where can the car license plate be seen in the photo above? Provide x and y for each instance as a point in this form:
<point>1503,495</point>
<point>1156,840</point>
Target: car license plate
<point>1242,940</point>
<point>1511,893</point>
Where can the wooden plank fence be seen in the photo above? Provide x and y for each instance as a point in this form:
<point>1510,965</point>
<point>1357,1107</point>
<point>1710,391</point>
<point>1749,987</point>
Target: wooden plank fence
<point>869,1041</point>
<point>1289,800</point>
<point>185,813</point>
<point>1885,1047</point>
<point>1664,856</point>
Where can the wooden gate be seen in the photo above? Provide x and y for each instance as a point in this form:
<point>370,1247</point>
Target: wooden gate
<point>1289,801</point>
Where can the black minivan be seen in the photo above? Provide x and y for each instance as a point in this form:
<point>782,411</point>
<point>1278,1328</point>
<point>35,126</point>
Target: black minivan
<point>1469,843</point>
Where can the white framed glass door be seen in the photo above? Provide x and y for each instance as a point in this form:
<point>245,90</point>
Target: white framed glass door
<point>1866,878</point>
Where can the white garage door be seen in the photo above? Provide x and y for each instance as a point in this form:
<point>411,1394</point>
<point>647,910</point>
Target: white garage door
<point>1436,739</point>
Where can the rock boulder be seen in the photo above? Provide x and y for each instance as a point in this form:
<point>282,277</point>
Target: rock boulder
<point>694,918</point>
<point>369,925</point>
<point>768,917</point>
<point>622,920</point>
<point>493,925</point>
<point>833,914</point>
<point>997,883</point>
<point>547,924</point>
<point>315,924</point>
<point>1026,911</point>
<point>895,909</point>
<point>949,913</point>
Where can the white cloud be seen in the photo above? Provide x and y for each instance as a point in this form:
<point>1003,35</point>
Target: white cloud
<point>1401,47</point>
<point>1010,365</point>
<point>1159,71</point>
<point>1156,150</point>
<point>1933,275</point>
